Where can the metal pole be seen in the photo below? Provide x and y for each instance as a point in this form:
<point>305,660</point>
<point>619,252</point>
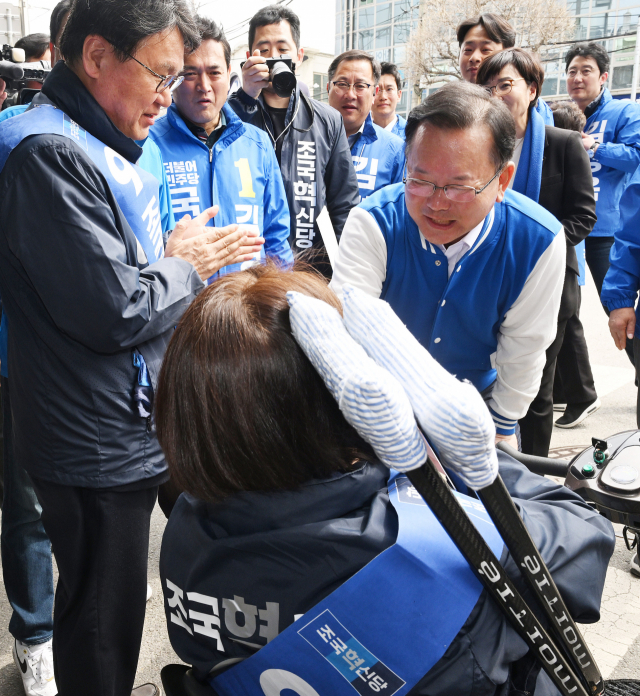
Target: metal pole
<point>636,64</point>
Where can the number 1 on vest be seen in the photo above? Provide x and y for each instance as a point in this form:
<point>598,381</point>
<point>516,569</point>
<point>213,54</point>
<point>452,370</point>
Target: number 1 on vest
<point>245,178</point>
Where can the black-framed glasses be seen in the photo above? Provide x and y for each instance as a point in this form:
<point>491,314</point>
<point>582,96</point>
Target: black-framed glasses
<point>169,82</point>
<point>503,88</point>
<point>358,87</point>
<point>458,194</point>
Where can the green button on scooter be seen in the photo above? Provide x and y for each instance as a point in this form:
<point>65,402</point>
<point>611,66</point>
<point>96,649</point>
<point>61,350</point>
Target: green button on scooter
<point>588,470</point>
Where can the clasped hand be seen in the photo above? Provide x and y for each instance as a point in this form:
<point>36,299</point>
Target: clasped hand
<point>208,249</point>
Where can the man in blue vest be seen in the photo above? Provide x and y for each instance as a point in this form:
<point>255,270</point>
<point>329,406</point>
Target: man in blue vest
<point>389,94</point>
<point>213,158</point>
<point>612,139</point>
<point>378,156</point>
<point>92,298</point>
<point>473,270</point>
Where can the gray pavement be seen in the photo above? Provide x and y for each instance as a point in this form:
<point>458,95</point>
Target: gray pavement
<point>615,640</point>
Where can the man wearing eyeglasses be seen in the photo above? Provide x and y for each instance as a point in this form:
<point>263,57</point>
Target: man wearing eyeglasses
<point>378,155</point>
<point>213,158</point>
<point>389,94</point>
<point>92,297</point>
<point>475,271</point>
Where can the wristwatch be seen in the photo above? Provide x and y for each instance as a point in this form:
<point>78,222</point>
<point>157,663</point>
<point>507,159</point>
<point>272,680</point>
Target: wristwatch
<point>594,147</point>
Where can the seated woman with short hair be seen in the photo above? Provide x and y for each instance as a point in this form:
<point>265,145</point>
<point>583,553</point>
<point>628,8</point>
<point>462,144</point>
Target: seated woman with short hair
<point>284,503</point>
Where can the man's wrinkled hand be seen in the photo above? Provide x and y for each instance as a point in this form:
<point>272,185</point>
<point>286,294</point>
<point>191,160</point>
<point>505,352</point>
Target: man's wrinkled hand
<point>208,249</point>
<point>587,141</point>
<point>255,74</point>
<point>622,324</point>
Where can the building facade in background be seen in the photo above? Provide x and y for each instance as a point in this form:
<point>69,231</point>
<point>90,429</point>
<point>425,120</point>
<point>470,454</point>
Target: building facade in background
<point>382,28</point>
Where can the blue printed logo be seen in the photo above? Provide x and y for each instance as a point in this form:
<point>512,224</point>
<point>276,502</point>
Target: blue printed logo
<point>355,663</point>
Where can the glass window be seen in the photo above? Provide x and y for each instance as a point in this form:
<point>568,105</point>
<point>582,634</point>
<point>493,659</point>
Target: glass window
<point>365,40</point>
<point>622,76</point>
<point>383,37</point>
<point>401,34</point>
<point>383,15</point>
<point>601,4</point>
<point>582,24</point>
<point>366,18</point>
<point>550,87</point>
<point>399,55</point>
<point>366,2</point>
<point>406,9</point>
<point>627,3</point>
<point>627,22</point>
<point>601,25</point>
<point>402,104</point>
<point>383,55</point>
<point>319,85</point>
<point>339,23</point>
<point>339,43</point>
<point>563,86</point>
<point>577,6</point>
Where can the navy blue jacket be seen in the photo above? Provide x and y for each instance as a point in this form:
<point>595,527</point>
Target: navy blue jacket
<point>78,302</point>
<point>274,556</point>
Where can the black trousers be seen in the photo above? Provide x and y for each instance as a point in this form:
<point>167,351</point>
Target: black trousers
<point>636,355</point>
<point>574,379</point>
<point>537,425</point>
<point>100,539</point>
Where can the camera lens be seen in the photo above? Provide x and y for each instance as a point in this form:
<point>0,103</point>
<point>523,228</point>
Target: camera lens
<point>282,79</point>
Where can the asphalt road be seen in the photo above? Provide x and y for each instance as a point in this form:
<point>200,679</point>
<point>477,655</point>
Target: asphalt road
<point>615,640</point>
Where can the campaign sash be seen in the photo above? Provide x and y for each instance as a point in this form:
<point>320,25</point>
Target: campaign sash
<point>383,629</point>
<point>136,191</point>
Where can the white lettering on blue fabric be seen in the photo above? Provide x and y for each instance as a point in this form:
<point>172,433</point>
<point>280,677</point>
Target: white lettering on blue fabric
<point>596,131</point>
<point>175,602</point>
<point>122,170</point>
<point>182,173</point>
<point>274,681</point>
<point>366,180</point>
<point>305,192</point>
<point>208,620</point>
<point>185,201</point>
<point>154,225</point>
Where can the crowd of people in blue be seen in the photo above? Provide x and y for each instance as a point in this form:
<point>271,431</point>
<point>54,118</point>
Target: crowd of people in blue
<point>156,229</point>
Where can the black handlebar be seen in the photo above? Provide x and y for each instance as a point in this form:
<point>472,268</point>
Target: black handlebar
<point>538,465</point>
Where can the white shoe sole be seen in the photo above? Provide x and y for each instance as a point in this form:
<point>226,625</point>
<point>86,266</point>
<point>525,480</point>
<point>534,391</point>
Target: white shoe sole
<point>149,592</point>
<point>585,414</point>
<point>559,407</point>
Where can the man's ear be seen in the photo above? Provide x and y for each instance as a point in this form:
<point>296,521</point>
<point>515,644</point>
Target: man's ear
<point>300,55</point>
<point>94,52</point>
<point>503,180</point>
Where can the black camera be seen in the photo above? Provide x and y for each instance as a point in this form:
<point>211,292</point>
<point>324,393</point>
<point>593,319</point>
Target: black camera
<point>18,75</point>
<point>281,75</point>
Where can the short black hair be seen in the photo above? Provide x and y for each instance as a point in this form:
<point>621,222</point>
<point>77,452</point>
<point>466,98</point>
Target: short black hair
<point>34,45</point>
<point>461,105</point>
<point>497,28</point>
<point>568,115</point>
<point>274,14</point>
<point>60,11</point>
<point>124,24</point>
<point>589,49</point>
<point>391,69</point>
<point>355,55</point>
<point>210,31</point>
<point>527,64</point>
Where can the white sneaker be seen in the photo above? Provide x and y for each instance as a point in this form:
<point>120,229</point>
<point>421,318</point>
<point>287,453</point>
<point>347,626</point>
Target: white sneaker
<point>35,663</point>
<point>149,592</point>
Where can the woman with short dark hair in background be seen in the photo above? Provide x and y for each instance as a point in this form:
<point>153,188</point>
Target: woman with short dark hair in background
<point>285,503</point>
<point>552,169</point>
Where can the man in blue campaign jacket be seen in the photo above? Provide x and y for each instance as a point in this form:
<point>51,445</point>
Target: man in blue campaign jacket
<point>476,274</point>
<point>307,135</point>
<point>612,139</point>
<point>213,158</point>
<point>389,94</point>
<point>378,155</point>
<point>92,299</point>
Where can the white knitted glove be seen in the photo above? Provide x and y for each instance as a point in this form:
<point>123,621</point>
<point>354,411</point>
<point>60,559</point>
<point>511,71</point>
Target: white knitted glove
<point>452,414</point>
<point>371,400</point>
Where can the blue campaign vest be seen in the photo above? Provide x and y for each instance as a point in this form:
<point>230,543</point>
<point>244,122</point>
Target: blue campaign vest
<point>136,191</point>
<point>378,158</point>
<point>614,121</point>
<point>382,630</point>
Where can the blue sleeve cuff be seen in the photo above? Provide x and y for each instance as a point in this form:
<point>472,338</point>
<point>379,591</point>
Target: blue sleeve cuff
<point>618,303</point>
<point>504,426</point>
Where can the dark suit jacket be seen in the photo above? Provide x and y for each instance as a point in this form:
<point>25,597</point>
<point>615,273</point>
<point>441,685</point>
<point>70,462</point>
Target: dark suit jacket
<point>566,189</point>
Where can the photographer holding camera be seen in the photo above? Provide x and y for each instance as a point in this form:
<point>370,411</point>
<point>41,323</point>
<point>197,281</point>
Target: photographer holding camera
<point>308,135</point>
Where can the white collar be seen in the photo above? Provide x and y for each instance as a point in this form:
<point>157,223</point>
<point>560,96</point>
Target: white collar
<point>392,125</point>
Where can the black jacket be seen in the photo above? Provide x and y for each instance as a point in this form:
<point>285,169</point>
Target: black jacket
<point>78,301</point>
<point>315,122</point>
<point>566,189</point>
<point>293,549</point>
